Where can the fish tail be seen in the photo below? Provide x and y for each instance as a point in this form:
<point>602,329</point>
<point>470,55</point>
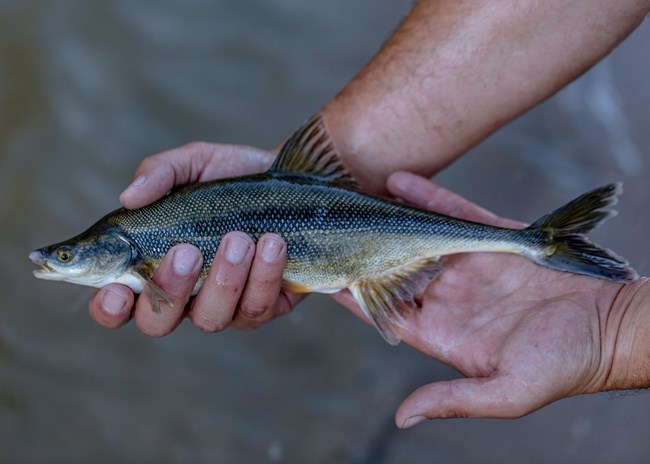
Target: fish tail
<point>565,247</point>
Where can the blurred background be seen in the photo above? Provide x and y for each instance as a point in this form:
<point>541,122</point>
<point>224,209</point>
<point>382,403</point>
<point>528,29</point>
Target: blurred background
<point>88,89</point>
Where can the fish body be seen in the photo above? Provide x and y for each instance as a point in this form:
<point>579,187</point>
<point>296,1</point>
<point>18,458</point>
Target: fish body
<point>334,235</point>
<point>337,237</point>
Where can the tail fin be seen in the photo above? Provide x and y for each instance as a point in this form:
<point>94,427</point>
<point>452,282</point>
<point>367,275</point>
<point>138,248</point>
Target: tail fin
<point>565,247</point>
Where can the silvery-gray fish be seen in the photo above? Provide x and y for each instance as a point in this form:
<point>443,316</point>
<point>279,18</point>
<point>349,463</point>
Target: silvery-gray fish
<point>337,237</point>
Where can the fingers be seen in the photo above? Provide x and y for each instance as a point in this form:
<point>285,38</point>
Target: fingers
<point>111,306</point>
<point>157,174</point>
<point>257,304</point>
<point>423,193</point>
<point>243,287</point>
<point>495,397</point>
<point>241,290</point>
<point>214,307</point>
<point>176,276</point>
<point>194,162</point>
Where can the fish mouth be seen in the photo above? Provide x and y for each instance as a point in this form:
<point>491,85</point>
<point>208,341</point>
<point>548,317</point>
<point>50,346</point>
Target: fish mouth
<point>45,270</point>
<point>47,273</point>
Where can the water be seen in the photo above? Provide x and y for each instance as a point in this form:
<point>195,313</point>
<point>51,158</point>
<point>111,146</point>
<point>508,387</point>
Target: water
<point>87,89</point>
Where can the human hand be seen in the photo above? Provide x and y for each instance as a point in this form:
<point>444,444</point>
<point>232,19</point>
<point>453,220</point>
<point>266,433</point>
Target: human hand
<point>243,287</point>
<point>522,335</point>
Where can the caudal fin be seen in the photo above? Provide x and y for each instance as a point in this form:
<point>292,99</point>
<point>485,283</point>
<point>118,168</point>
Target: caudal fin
<point>565,246</point>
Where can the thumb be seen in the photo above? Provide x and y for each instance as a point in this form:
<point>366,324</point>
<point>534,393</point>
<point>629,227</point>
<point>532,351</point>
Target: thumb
<point>495,397</point>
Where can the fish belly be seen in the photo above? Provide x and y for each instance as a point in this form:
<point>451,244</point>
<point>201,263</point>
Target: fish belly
<point>338,260</point>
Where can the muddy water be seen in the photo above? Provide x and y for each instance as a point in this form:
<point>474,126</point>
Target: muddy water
<point>89,88</point>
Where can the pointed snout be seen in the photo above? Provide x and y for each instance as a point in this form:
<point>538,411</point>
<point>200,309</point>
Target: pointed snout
<point>37,257</point>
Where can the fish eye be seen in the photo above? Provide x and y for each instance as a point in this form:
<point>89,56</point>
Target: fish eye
<point>64,255</point>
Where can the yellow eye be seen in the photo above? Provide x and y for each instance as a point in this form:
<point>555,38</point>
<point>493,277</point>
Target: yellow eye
<point>64,255</point>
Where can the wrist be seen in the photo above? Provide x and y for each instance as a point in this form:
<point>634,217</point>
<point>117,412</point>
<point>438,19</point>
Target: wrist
<point>354,145</point>
<point>626,342</point>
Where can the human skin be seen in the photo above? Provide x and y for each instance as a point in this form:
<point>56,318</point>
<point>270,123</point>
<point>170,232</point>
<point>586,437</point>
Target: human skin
<point>452,73</point>
<point>457,70</point>
<point>522,336</point>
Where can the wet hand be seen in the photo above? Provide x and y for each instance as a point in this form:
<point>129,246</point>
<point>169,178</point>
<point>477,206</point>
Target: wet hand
<point>243,287</point>
<point>521,335</point>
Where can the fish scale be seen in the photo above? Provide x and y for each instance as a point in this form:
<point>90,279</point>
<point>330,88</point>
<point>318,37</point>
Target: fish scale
<point>254,205</point>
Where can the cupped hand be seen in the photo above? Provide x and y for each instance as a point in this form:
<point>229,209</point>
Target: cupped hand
<point>522,336</point>
<point>243,287</point>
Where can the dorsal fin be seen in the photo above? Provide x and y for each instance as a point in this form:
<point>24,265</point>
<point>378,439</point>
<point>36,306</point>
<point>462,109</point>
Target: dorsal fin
<point>309,151</point>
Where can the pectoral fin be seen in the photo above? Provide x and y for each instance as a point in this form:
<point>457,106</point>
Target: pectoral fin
<point>387,298</point>
<point>156,293</point>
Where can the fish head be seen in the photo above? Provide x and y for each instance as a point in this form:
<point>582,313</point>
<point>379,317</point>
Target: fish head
<point>93,258</point>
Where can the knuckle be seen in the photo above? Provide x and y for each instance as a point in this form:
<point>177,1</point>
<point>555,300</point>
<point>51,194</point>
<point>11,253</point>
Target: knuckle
<point>253,308</point>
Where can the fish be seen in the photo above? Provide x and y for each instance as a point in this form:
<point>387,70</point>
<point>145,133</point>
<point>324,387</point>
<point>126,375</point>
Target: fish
<point>337,237</point>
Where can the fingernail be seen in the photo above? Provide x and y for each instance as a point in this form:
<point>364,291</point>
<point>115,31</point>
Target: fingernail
<point>113,303</point>
<point>138,181</point>
<point>411,421</point>
<point>184,261</point>
<point>236,249</point>
<point>271,250</point>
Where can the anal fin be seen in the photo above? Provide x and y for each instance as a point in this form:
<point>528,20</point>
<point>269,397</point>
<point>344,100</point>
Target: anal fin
<point>387,298</point>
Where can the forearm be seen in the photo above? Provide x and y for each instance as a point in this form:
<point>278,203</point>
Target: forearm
<point>457,70</point>
<point>626,343</point>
